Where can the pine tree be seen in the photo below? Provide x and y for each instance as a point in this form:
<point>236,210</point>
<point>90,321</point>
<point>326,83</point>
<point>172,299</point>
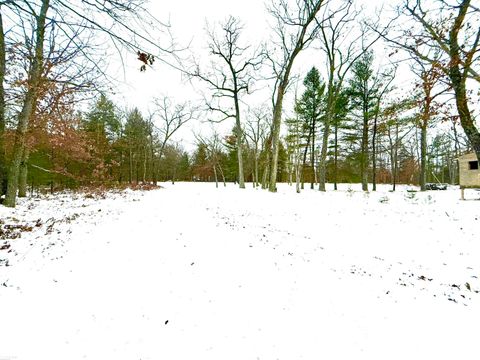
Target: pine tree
<point>363,91</point>
<point>310,109</point>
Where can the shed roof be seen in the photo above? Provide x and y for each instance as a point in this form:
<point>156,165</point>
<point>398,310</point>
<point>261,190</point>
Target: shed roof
<point>469,156</point>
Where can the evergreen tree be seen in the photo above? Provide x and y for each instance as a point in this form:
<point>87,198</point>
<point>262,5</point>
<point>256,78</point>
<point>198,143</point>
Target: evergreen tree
<point>103,120</point>
<point>137,139</point>
<point>339,123</point>
<point>102,126</point>
<point>201,170</point>
<point>363,92</point>
<point>310,108</point>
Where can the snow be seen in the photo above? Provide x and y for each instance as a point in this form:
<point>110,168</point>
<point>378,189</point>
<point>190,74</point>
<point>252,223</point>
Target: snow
<point>193,272</point>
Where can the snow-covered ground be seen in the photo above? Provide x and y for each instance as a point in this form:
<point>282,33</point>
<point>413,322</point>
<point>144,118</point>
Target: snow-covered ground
<point>193,272</point>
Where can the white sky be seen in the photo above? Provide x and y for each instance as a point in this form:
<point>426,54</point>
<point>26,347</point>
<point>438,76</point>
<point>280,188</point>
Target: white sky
<point>188,19</point>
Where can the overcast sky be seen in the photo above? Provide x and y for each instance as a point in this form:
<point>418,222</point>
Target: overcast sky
<point>188,19</point>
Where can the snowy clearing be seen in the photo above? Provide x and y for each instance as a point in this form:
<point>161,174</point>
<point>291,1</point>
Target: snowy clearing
<point>193,272</point>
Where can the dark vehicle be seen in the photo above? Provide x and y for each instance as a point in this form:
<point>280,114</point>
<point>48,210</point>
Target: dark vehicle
<point>434,186</point>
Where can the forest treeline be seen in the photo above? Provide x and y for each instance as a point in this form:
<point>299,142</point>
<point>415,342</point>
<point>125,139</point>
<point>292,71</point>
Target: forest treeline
<point>347,119</point>
<point>109,146</point>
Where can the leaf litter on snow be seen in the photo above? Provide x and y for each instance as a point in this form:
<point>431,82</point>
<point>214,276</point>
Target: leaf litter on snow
<point>43,224</point>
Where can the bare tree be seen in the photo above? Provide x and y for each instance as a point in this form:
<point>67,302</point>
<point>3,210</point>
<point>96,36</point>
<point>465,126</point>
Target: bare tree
<point>229,78</point>
<point>295,29</point>
<point>171,117</point>
<point>256,128</point>
<point>446,35</point>
<point>429,76</point>
<point>213,145</point>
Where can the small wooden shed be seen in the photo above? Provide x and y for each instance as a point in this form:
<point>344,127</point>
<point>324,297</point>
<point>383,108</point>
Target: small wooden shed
<point>469,172</point>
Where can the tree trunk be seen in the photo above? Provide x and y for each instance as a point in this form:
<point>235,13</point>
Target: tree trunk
<point>457,152</point>
<point>395,159</point>
<point>174,173</point>
<point>239,133</point>
<point>137,176</point>
<point>329,114</point>
<point>152,154</point>
<point>335,159</point>
<point>22,185</point>
<point>423,155</point>
<point>304,161</point>
<point>458,81</point>
<point>3,162</point>
<point>144,174</point>
<point>34,78</point>
<point>256,168</point>
<point>364,154</point>
<point>130,165</point>
<point>374,152</point>
<point>266,170</point>
<point>465,116</point>
<point>277,122</point>
<point>312,155</point>
<point>311,8</point>
<point>298,173</point>
<point>215,175</point>
<point>392,156</point>
<point>222,175</point>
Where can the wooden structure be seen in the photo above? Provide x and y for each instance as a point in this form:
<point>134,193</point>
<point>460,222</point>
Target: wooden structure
<point>469,172</point>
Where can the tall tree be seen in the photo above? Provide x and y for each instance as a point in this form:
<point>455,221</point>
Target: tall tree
<point>310,108</point>
<point>103,126</point>
<point>230,77</point>
<point>294,142</point>
<point>92,20</point>
<point>385,86</point>
<point>363,92</point>
<point>295,29</point>
<point>255,130</point>
<point>213,147</point>
<point>339,122</point>
<point>446,35</point>
<point>34,78</point>
<point>341,56</point>
<point>3,164</point>
<point>398,125</point>
<point>136,137</point>
<point>168,118</point>
<point>429,76</point>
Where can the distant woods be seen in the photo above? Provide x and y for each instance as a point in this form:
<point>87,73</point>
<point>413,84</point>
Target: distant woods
<point>389,99</point>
